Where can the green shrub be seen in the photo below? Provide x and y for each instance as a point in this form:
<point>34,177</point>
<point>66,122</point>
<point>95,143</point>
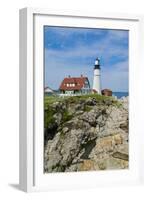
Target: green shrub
<point>48,117</point>
<point>87,108</point>
<point>66,116</point>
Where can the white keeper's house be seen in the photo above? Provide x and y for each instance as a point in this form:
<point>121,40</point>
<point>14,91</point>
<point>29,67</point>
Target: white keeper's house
<point>48,90</point>
<point>75,85</point>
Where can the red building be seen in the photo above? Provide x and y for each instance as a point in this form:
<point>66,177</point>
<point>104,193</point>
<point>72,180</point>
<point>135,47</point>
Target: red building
<point>75,85</point>
<point>106,92</point>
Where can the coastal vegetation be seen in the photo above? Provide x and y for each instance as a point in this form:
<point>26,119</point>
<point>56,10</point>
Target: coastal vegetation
<point>88,132</point>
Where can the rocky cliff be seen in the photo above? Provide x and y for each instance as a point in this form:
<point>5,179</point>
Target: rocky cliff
<point>85,133</point>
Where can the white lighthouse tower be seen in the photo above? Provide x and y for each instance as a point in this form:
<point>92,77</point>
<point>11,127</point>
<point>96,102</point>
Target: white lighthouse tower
<point>96,79</point>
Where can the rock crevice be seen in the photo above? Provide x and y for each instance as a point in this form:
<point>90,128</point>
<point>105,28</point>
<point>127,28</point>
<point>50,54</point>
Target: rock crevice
<point>87,134</point>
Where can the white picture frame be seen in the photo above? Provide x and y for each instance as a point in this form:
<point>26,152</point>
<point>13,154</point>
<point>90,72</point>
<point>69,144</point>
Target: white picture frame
<point>31,175</point>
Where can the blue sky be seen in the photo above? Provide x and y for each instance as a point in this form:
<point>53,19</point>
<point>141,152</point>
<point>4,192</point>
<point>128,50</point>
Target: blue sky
<point>72,51</point>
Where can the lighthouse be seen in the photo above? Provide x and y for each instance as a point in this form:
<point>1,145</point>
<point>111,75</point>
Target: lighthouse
<point>96,78</point>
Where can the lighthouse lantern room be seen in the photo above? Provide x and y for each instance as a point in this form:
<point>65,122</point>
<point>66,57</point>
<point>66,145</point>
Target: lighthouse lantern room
<point>96,79</point>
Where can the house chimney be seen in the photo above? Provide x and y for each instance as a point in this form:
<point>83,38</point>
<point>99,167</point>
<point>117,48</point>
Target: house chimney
<point>81,75</point>
<point>68,76</point>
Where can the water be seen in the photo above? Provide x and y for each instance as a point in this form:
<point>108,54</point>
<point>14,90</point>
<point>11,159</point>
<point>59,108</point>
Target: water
<point>120,94</point>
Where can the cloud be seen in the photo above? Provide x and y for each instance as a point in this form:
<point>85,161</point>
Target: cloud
<point>77,57</point>
<point>71,31</point>
<point>116,79</point>
<point>118,34</point>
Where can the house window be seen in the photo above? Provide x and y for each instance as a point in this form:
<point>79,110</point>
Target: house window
<point>69,92</point>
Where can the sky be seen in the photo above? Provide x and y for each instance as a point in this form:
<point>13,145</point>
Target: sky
<point>72,51</point>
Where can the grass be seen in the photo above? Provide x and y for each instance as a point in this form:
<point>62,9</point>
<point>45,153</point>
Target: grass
<point>66,116</point>
<point>48,117</point>
<point>49,111</point>
<point>49,100</point>
<point>87,108</point>
<point>72,99</point>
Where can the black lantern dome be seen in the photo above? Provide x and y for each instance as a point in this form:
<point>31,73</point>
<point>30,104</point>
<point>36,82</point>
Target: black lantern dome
<point>97,64</point>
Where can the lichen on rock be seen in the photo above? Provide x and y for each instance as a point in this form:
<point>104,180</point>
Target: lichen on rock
<point>84,133</point>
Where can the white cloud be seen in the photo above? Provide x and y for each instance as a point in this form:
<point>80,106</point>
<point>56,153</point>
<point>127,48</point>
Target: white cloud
<point>72,61</point>
<point>116,79</point>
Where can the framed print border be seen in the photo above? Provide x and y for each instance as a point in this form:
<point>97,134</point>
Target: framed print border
<point>31,91</point>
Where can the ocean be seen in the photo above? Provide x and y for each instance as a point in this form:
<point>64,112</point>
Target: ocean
<point>120,94</point>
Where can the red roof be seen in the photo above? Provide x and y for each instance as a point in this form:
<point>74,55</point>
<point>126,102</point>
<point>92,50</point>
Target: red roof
<point>78,82</point>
